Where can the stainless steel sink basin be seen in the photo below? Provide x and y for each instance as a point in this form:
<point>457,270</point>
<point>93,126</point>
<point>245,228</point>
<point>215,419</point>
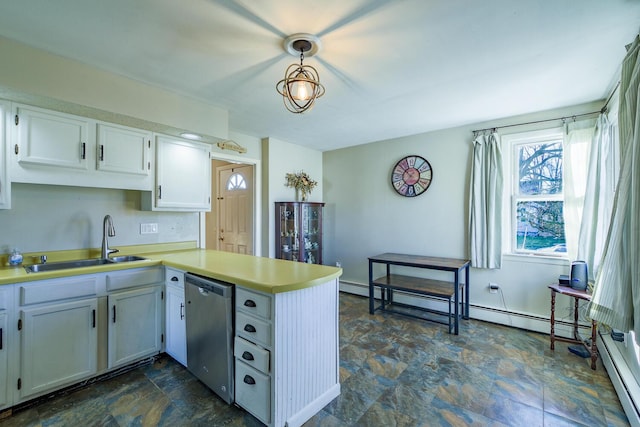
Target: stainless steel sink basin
<point>63,265</point>
<point>126,258</point>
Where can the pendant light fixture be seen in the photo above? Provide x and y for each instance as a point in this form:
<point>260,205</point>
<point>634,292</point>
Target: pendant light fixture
<point>301,84</point>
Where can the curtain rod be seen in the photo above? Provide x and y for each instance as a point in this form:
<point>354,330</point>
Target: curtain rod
<point>602,110</point>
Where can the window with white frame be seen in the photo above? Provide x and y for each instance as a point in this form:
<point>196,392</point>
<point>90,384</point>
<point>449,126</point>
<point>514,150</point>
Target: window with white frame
<point>535,208</point>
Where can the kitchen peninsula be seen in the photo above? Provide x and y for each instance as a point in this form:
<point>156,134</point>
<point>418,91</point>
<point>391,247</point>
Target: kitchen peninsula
<point>297,314</point>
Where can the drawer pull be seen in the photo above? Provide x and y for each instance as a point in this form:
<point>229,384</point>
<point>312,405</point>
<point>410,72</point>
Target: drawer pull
<point>247,356</point>
<point>249,328</point>
<point>250,303</point>
<point>248,379</point>
<point>174,279</point>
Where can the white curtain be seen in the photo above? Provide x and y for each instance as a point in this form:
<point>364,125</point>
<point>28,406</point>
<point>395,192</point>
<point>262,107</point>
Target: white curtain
<point>616,298</point>
<point>485,202</point>
<point>575,147</point>
<point>598,200</point>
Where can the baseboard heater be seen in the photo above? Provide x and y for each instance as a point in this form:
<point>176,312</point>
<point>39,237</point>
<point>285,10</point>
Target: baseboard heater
<point>623,380</point>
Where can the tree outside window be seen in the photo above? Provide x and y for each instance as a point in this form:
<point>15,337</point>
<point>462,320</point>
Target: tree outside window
<point>537,197</point>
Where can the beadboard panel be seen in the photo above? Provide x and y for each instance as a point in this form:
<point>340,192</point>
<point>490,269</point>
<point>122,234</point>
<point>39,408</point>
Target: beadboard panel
<point>305,372</point>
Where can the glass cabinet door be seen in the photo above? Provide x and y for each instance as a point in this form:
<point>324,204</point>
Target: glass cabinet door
<point>299,231</point>
<point>287,232</point>
<point>311,229</point>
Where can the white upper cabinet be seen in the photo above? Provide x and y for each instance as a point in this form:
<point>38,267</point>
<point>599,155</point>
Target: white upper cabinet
<point>52,139</point>
<point>50,147</point>
<point>183,176</point>
<point>5,184</point>
<point>123,150</point>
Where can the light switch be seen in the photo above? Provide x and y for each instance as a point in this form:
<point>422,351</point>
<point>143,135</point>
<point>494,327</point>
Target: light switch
<point>149,228</point>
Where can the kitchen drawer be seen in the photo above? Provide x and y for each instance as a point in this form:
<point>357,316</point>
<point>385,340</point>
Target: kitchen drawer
<point>174,277</point>
<point>130,278</point>
<point>253,329</point>
<point>254,303</point>
<point>5,296</point>
<point>253,391</point>
<point>59,289</point>
<point>252,355</point>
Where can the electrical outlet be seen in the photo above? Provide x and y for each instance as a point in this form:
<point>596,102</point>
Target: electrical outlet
<point>338,264</point>
<point>493,288</point>
<point>149,228</point>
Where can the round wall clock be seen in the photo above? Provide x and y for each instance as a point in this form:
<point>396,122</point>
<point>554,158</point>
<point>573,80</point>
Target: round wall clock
<point>411,176</point>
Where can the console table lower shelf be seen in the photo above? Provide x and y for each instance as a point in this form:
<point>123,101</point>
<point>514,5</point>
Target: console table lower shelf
<point>416,286</point>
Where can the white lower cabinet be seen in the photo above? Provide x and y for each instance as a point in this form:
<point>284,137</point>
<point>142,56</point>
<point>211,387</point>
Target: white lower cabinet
<point>253,390</point>
<point>286,353</point>
<point>58,332</point>
<point>135,324</point>
<point>176,329</point>
<point>4,360</point>
<point>58,345</point>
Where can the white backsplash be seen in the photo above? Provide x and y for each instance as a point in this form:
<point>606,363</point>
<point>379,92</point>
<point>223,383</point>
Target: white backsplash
<point>48,217</point>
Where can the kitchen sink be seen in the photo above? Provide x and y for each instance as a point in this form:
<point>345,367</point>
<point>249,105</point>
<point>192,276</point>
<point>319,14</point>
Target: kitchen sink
<point>126,258</point>
<point>64,265</point>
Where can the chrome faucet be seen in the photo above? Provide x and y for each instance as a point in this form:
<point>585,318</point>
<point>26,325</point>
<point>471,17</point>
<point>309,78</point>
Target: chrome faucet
<point>107,231</point>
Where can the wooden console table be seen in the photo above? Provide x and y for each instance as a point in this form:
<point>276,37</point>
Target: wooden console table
<point>577,296</point>
<point>438,289</point>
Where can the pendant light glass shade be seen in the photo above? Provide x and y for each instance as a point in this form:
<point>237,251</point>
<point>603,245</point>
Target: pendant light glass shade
<point>301,84</point>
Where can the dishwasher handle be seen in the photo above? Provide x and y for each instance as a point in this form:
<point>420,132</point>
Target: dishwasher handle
<point>207,285</point>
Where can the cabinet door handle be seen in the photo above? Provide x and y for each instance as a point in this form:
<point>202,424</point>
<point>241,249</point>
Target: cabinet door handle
<point>181,311</point>
<point>174,279</point>
<point>102,152</point>
<point>114,314</point>
<point>83,151</point>
<point>249,328</point>
<point>1,340</point>
<point>248,379</point>
<point>159,191</point>
<point>250,303</point>
<point>247,356</point>
<point>93,318</point>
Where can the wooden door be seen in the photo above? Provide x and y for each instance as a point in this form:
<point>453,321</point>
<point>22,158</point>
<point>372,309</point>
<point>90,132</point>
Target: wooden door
<point>235,208</point>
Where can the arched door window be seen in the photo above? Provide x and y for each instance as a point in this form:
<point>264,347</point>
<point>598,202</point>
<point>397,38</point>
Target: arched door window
<point>236,182</point>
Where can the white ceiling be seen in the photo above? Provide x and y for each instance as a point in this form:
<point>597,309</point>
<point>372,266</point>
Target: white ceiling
<point>390,67</point>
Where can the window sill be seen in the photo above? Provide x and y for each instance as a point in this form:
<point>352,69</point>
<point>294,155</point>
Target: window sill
<point>536,259</point>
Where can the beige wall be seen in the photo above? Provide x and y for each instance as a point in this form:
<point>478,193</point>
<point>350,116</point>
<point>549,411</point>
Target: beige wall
<point>365,216</point>
<point>278,159</point>
<point>49,218</point>
<point>29,71</point>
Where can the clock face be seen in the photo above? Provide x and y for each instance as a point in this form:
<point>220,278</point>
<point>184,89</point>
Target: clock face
<point>411,176</point>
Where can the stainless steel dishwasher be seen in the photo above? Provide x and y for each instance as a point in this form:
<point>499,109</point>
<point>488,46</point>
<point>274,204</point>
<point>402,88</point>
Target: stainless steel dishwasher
<point>209,321</point>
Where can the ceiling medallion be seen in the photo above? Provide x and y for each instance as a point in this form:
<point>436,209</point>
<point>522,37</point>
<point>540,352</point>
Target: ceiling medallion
<point>301,84</point>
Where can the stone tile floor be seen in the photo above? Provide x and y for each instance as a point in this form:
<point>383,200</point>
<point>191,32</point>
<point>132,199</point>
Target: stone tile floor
<point>395,371</point>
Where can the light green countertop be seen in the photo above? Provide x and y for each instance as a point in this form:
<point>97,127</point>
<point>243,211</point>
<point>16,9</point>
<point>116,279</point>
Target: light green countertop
<point>263,274</point>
